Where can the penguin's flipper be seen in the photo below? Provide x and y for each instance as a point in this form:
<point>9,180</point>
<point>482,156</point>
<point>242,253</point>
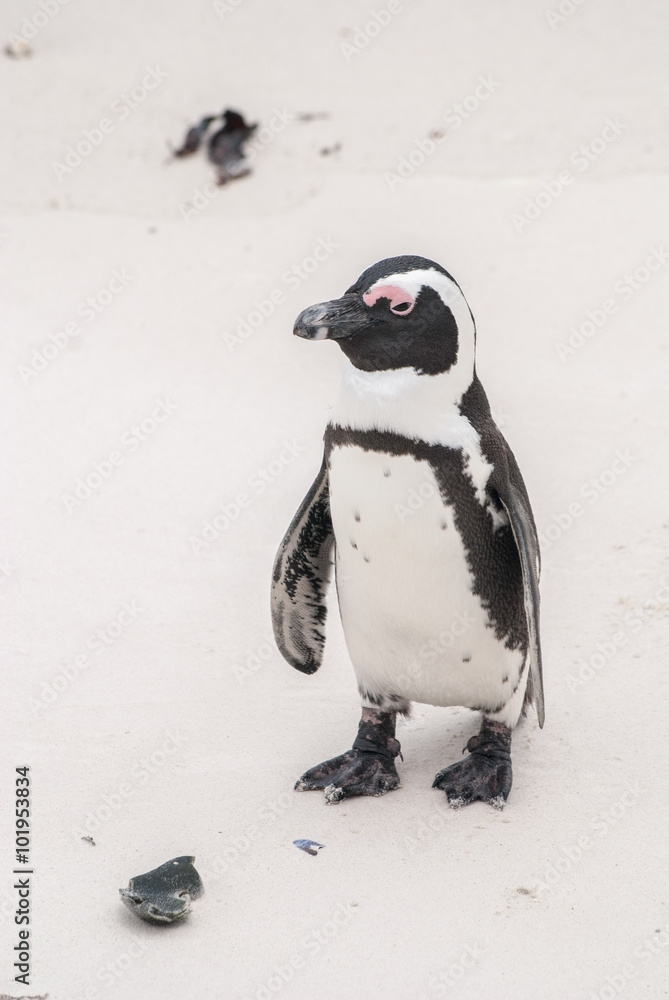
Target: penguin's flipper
<point>518,509</point>
<point>302,571</point>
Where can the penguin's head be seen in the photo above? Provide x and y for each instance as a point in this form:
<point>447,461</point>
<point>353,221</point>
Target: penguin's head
<point>404,312</point>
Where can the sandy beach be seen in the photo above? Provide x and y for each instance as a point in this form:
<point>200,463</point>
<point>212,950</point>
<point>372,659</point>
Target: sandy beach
<point>161,426</point>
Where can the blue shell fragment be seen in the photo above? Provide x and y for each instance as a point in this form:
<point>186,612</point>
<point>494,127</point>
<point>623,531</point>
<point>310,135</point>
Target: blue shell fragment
<point>308,846</point>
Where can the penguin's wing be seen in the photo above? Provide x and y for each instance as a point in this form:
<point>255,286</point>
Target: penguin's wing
<point>302,571</point>
<point>506,484</point>
<point>517,506</point>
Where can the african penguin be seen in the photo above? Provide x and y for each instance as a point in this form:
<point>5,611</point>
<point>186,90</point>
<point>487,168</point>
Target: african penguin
<point>436,551</point>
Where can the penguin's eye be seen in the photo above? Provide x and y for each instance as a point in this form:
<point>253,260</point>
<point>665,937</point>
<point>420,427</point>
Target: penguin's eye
<point>399,302</point>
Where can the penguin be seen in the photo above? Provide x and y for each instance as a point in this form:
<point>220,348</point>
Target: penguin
<point>436,555</point>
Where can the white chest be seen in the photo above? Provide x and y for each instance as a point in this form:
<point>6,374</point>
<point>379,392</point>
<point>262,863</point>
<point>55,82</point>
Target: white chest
<point>416,406</point>
<point>412,622</point>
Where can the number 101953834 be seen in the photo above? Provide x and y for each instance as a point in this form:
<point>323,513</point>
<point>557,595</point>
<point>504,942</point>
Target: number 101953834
<point>22,815</point>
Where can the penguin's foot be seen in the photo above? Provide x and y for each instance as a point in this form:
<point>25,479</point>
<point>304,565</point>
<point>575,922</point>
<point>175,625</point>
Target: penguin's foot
<point>486,774</point>
<point>352,773</point>
<point>367,769</point>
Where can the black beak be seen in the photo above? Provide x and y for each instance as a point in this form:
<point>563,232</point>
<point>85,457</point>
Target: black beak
<point>333,320</point>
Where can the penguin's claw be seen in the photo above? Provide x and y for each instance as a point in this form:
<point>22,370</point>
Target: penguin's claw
<point>352,773</point>
<point>476,778</point>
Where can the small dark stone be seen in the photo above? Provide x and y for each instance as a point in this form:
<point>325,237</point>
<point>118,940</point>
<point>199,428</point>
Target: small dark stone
<point>312,116</point>
<point>163,895</point>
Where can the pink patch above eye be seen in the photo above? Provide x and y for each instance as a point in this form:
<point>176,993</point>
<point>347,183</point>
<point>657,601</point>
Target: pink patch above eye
<point>397,297</point>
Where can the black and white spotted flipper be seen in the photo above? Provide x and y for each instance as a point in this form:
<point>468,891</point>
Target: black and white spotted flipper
<point>302,571</point>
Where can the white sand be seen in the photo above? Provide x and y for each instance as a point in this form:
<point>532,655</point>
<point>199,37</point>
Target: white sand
<point>430,890</point>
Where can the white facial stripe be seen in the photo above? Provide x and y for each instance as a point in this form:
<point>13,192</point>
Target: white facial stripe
<point>449,293</point>
<point>417,406</point>
<point>461,373</point>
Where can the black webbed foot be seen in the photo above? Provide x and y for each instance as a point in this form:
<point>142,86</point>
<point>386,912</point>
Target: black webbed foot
<point>352,773</point>
<point>485,775</point>
<point>367,769</point>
